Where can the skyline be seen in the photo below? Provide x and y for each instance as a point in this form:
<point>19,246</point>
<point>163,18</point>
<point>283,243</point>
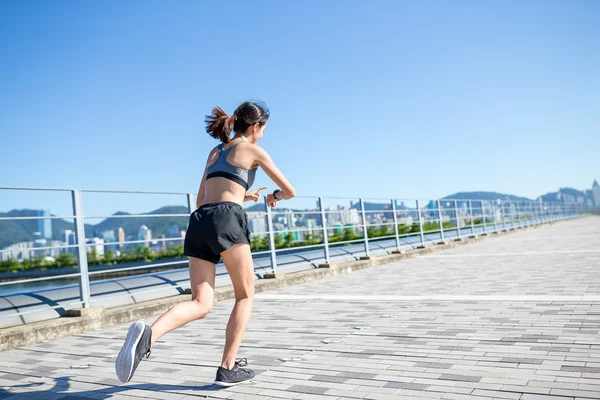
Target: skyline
<point>128,234</point>
<point>61,203</point>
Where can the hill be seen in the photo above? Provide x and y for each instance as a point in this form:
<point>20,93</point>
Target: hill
<point>485,196</point>
<point>16,231</point>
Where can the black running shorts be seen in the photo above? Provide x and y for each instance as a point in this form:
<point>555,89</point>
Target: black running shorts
<point>215,227</point>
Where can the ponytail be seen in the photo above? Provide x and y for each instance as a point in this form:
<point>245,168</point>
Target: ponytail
<point>219,125</point>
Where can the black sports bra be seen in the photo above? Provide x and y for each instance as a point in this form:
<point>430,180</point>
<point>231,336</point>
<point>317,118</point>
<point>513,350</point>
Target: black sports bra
<point>224,169</point>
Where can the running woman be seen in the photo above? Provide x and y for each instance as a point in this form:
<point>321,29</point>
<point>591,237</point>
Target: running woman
<point>217,229</point>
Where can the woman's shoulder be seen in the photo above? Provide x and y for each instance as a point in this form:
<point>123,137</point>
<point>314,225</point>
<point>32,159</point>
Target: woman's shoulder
<point>254,148</point>
<point>213,153</point>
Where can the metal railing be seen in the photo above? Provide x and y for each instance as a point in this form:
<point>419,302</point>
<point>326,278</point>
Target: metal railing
<point>390,226</point>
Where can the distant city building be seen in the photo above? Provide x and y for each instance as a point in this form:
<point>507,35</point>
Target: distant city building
<point>67,238</point>
<point>498,212</point>
<point>290,219</point>
<point>432,207</point>
<point>589,202</point>
<point>142,232</point>
<point>145,234</point>
<point>258,225</point>
<point>163,242</point>
<point>406,221</point>
<point>312,226</point>
<point>172,232</point>
<point>39,241</point>
<point>596,193</point>
<point>349,215</point>
<point>332,216</point>
<point>17,251</point>
<point>26,250</point>
<point>96,244</point>
<point>121,234</point>
<point>45,224</point>
<point>109,236</point>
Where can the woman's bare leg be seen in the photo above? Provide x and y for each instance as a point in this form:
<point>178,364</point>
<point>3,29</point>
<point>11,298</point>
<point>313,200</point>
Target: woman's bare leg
<point>202,280</point>
<point>239,264</point>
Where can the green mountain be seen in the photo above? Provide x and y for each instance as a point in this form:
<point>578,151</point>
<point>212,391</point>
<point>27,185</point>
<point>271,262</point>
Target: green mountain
<point>562,192</point>
<point>131,225</point>
<point>16,231</point>
<point>485,196</point>
<point>21,230</point>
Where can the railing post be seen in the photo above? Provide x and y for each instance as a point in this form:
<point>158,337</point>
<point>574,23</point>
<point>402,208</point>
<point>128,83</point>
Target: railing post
<point>271,237</point>
<point>325,234</point>
<point>483,217</point>
<point>420,225</point>
<point>190,201</point>
<point>364,224</point>
<point>518,215</point>
<point>439,207</point>
<point>84,279</point>
<point>494,217</point>
<point>502,214</point>
<point>396,233</point>
<point>560,211</point>
<point>542,218</point>
<point>530,218</point>
<point>456,217</point>
<point>471,218</point>
<point>191,208</point>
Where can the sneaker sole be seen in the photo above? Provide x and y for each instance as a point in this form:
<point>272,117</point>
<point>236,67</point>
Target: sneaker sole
<point>126,357</point>
<point>229,384</point>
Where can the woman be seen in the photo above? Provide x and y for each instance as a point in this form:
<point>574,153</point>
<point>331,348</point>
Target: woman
<point>218,228</point>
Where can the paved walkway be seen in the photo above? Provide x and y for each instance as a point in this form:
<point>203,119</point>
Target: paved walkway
<point>515,317</point>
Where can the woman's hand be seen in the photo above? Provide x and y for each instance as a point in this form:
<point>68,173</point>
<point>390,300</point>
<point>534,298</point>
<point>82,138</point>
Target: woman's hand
<point>271,200</point>
<point>254,194</point>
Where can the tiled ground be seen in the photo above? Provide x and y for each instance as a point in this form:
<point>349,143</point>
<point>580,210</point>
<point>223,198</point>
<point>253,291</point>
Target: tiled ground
<point>452,325</point>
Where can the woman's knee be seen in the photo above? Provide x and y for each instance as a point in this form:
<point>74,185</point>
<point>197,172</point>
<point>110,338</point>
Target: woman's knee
<point>203,307</point>
<point>245,293</point>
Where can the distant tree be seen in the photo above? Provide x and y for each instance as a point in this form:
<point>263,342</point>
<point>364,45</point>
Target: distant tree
<point>109,256</point>
<point>278,240</point>
<point>144,253</point>
<point>66,259</point>
<point>403,229</point>
<point>384,230</point>
<point>289,238</point>
<point>348,234</point>
<point>92,257</point>
<point>10,265</point>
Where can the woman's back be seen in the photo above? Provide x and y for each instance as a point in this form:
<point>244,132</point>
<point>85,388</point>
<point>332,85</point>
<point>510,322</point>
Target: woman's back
<point>230,171</point>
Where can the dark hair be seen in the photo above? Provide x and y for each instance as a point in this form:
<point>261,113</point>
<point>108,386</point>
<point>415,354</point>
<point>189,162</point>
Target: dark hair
<point>219,125</point>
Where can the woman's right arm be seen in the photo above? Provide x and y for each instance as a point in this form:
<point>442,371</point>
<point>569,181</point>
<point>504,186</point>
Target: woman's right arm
<point>267,164</point>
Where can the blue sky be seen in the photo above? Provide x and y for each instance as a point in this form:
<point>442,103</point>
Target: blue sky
<point>374,99</point>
